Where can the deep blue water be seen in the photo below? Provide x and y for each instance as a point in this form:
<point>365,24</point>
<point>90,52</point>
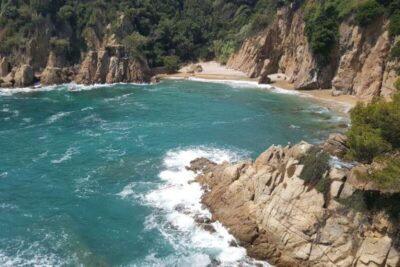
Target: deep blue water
<point>93,176</point>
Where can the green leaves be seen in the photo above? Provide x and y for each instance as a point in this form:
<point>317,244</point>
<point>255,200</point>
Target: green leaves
<point>375,129</point>
<point>367,12</point>
<point>321,30</point>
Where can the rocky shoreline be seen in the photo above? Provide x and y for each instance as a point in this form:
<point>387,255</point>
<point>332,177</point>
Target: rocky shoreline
<point>107,65</point>
<point>279,217</point>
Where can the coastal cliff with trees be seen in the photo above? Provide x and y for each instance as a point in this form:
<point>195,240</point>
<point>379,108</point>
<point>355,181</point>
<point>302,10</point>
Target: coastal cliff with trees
<point>350,46</point>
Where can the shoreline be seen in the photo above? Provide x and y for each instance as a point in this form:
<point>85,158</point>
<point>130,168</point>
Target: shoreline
<point>341,104</point>
<point>212,71</point>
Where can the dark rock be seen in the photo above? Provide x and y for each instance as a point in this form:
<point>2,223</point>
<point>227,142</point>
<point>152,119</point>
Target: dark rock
<point>200,165</point>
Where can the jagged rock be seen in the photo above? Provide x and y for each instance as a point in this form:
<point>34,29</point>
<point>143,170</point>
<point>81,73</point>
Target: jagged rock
<point>336,187</point>
<point>53,75</point>
<point>336,145</point>
<point>264,79</point>
<point>88,69</point>
<point>4,67</point>
<point>277,217</point>
<point>24,76</point>
<point>200,165</point>
<point>155,79</point>
<point>347,190</point>
<point>111,66</point>
<point>359,64</point>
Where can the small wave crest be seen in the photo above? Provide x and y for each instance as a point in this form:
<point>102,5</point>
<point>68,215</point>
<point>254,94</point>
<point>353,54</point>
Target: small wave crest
<point>66,156</point>
<point>55,117</point>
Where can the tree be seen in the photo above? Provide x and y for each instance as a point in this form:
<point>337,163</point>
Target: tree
<point>367,12</point>
<point>171,63</point>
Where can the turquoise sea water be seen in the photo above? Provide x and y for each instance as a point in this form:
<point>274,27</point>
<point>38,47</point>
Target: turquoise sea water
<point>94,176</point>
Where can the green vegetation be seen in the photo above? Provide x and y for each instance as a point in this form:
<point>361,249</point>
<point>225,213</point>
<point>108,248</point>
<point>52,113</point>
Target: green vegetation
<point>171,63</point>
<point>187,29</point>
<point>322,29</point>
<point>323,17</point>
<point>397,84</point>
<point>155,30</point>
<point>395,52</point>
<point>374,129</point>
<point>316,165</point>
<point>367,12</point>
<point>387,176</point>
<point>394,25</point>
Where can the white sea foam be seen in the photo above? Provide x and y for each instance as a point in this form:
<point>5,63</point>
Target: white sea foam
<point>55,117</point>
<point>73,87</point>
<point>179,200</point>
<point>66,156</point>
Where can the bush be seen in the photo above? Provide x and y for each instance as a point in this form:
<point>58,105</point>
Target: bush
<point>223,50</point>
<point>316,164</point>
<point>397,84</point>
<point>387,176</point>
<point>394,24</point>
<point>367,12</point>
<point>60,43</point>
<point>171,63</point>
<point>374,129</point>
<point>135,44</point>
<point>365,143</point>
<point>321,30</point>
<point>395,52</point>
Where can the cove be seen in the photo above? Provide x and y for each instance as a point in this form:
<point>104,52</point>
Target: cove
<point>96,176</point>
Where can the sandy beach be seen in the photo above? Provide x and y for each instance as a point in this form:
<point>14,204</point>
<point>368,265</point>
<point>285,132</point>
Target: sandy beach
<point>212,70</point>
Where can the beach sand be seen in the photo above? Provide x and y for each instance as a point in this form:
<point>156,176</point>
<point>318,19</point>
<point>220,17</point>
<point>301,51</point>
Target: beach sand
<point>212,70</point>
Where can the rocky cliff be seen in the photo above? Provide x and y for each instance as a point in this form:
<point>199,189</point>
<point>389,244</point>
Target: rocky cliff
<point>360,63</point>
<point>278,217</point>
<point>110,65</point>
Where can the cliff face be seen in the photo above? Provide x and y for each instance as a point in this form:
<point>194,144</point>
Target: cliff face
<point>360,63</point>
<point>111,66</point>
<point>48,62</point>
<point>277,217</point>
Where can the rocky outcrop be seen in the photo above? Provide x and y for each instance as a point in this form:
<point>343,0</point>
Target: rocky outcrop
<point>336,145</point>
<point>55,75</point>
<point>278,217</point>
<point>4,67</point>
<point>111,66</point>
<point>24,76</point>
<point>360,63</point>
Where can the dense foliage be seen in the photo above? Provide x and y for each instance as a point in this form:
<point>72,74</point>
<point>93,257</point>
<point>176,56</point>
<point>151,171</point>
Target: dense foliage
<point>153,29</point>
<point>322,29</point>
<point>375,129</point>
<point>367,12</point>
<point>186,29</point>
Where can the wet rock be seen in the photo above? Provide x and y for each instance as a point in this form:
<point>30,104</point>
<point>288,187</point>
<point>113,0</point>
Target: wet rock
<point>200,165</point>
<point>208,228</point>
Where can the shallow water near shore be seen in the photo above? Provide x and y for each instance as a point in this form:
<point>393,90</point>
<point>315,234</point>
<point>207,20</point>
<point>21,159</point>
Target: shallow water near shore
<point>95,176</point>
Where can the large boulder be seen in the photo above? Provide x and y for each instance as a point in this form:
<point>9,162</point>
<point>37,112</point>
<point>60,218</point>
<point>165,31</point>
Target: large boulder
<point>53,75</point>
<point>24,76</point>
<point>336,145</point>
